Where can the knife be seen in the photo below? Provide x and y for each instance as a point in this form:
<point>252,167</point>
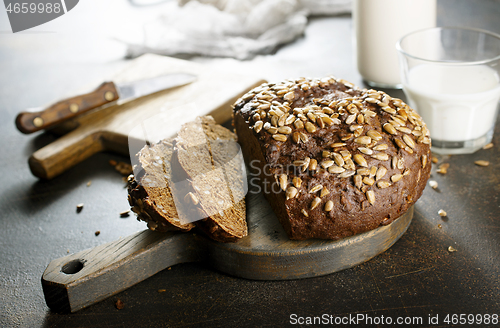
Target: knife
<point>108,92</point>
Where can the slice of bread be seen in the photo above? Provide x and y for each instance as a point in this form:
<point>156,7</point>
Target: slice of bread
<point>209,156</point>
<point>150,193</point>
<point>196,179</point>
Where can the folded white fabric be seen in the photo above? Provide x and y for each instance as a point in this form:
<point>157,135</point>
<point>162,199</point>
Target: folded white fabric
<point>231,28</point>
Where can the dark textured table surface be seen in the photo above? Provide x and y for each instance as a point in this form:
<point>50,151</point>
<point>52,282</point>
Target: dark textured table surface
<point>417,277</point>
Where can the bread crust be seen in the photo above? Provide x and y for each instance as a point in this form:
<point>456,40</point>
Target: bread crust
<point>362,132</point>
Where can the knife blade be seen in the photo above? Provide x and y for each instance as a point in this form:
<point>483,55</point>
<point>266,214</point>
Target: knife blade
<point>108,92</point>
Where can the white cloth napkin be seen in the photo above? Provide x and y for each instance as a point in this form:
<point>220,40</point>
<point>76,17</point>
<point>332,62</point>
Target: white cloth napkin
<point>231,28</point>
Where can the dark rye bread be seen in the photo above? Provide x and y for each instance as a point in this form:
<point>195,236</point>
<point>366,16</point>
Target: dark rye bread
<point>169,191</point>
<point>333,160</point>
<point>208,155</point>
<point>149,192</point>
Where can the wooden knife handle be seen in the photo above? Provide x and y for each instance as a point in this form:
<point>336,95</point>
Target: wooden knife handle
<point>29,122</point>
<point>79,280</point>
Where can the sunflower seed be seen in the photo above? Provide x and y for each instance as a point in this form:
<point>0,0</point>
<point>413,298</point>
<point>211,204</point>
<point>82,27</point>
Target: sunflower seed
<point>298,124</point>
<point>258,126</point>
<point>326,153</point>
<point>296,137</point>
<point>338,144</point>
<point>316,201</point>
<point>389,128</point>
<point>403,129</point>
<point>304,137</point>
<point>360,160</point>
<point>442,213</point>
<point>285,129</point>
<point>267,125</point>
<point>381,156</point>
<point>283,181</point>
<point>304,212</point>
<point>347,137</point>
<point>424,161</point>
<point>394,162</point>
<point>363,171</point>
<point>335,169</point>
<point>370,195</point>
<point>409,141</point>
<point>482,163</point>
<point>291,192</point>
<point>349,164</point>
<point>488,146</point>
<point>320,122</point>
<point>272,130</point>
<point>380,173</point>
<point>327,120</point>
<point>389,110</point>
<point>358,181</point>
<point>371,100</point>
<point>311,128</point>
<point>279,137</point>
<point>364,140</point>
<point>289,96</point>
<point>316,188</point>
<point>345,154</point>
<point>326,164</point>
<point>373,171</point>
<point>368,181</point>
<point>381,147</point>
<point>375,135</point>
<point>338,159</point>
<point>329,206</point>
<point>350,119</point>
<point>383,184</point>
<point>347,174</point>
<point>297,182</point>
<point>401,123</point>
<point>311,116</point>
<point>396,177</point>
<point>365,150</point>
<point>399,143</point>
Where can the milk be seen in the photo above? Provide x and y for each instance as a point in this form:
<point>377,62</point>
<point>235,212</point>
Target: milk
<point>378,25</point>
<point>458,103</point>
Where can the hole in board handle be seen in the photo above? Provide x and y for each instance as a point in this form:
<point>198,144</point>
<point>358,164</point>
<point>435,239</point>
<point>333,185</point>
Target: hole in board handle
<point>72,267</point>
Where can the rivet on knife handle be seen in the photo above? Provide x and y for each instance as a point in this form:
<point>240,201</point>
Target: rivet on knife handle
<point>29,122</point>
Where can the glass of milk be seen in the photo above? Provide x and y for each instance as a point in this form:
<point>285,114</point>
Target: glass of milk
<point>451,78</point>
<point>377,26</point>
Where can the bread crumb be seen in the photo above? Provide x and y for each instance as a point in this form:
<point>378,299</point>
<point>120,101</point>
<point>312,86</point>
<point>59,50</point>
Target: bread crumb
<point>451,249</point>
<point>89,183</point>
<point>112,162</point>
<point>433,184</point>
<point>119,304</point>
<point>124,214</point>
<point>434,159</point>
<point>79,207</point>
<point>97,233</point>
<point>442,213</point>
<point>162,290</point>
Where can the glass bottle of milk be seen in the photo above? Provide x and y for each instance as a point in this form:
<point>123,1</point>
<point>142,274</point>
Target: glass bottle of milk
<point>377,26</point>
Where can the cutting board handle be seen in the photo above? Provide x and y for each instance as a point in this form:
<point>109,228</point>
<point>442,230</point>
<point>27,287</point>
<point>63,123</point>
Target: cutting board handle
<point>79,280</point>
<point>64,153</point>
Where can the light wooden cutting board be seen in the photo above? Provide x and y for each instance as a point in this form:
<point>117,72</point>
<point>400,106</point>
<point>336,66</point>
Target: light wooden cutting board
<point>213,93</point>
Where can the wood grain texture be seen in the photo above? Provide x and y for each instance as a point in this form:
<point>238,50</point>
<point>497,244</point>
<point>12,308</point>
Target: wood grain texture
<point>265,254</point>
<point>66,109</point>
<point>110,128</point>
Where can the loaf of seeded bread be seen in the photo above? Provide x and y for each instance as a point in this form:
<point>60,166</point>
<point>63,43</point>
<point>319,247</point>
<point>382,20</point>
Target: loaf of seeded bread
<point>333,160</point>
<point>193,180</point>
